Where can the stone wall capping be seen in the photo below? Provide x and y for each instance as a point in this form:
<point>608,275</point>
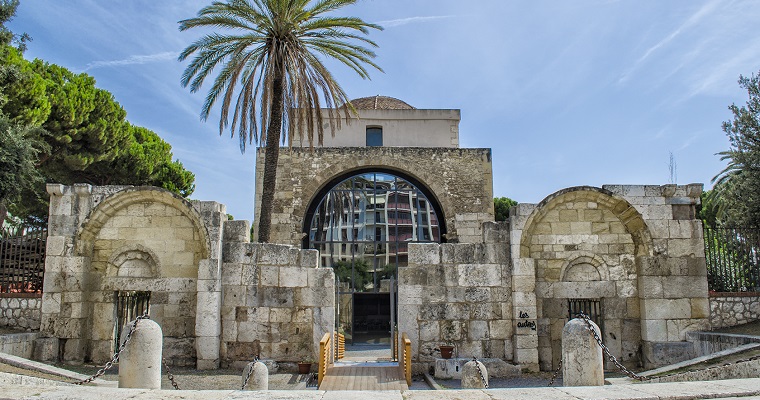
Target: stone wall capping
<point>55,189</point>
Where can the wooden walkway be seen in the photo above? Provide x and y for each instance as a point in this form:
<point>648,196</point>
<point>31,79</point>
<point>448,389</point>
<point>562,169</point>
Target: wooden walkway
<point>363,376</point>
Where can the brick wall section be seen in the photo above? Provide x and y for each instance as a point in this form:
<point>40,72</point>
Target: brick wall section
<point>461,181</point>
<point>20,312</point>
<point>277,304</point>
<point>730,309</point>
<point>458,294</point>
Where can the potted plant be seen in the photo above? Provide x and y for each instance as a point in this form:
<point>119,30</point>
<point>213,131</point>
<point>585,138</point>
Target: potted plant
<point>446,351</point>
<point>304,367</point>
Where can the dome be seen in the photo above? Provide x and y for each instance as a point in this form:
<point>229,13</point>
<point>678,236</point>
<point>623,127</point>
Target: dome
<point>380,103</point>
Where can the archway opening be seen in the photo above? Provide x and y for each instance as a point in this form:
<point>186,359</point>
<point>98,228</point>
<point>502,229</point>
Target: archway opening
<point>362,223</point>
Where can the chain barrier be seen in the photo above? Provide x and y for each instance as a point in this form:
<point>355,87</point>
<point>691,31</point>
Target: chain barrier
<point>480,372</point>
<point>607,352</point>
<point>556,372</point>
<point>115,357</point>
<point>250,372</point>
<point>169,374</point>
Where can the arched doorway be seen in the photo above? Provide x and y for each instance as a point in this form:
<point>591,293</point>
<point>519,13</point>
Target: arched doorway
<point>362,223</point>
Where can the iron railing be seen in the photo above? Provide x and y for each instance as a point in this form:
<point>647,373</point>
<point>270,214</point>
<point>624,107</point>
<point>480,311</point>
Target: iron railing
<point>732,259</point>
<point>22,259</point>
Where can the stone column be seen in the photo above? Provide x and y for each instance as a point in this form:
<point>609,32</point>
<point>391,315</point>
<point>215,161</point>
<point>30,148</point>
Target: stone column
<point>581,355</point>
<point>140,361</point>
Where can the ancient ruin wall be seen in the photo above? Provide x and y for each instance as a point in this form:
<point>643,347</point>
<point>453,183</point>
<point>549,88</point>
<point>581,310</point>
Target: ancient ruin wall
<point>277,304</point>
<point>458,294</point>
<point>460,180</point>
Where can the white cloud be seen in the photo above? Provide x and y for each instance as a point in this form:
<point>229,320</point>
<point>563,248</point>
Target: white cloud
<point>411,20</point>
<point>134,60</point>
<point>694,19</point>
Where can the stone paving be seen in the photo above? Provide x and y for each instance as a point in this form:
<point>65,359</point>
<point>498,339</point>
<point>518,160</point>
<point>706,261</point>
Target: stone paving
<point>22,387</point>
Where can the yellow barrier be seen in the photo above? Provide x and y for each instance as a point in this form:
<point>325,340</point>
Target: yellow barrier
<point>340,346</point>
<point>405,362</point>
<point>324,357</point>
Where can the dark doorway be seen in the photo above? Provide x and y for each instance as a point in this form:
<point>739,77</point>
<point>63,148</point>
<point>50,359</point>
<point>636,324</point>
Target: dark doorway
<point>372,318</point>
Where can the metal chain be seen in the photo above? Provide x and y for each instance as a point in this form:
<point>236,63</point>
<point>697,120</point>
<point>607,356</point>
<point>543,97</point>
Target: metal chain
<point>607,352</point>
<point>556,372</point>
<point>169,374</point>
<point>250,372</point>
<point>115,357</point>
<point>480,372</point>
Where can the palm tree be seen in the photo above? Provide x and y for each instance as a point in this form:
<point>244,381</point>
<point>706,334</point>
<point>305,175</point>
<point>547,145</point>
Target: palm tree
<point>272,53</point>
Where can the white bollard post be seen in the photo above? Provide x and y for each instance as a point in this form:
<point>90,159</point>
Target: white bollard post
<point>582,363</point>
<point>256,376</point>
<point>474,375</point>
<point>140,361</point>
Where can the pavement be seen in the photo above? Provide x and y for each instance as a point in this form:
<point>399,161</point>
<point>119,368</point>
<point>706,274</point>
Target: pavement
<point>24,387</point>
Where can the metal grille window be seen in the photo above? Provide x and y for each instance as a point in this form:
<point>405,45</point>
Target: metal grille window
<point>129,305</point>
<point>22,259</point>
<point>591,307</point>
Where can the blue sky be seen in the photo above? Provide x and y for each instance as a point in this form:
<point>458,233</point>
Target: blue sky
<point>566,93</point>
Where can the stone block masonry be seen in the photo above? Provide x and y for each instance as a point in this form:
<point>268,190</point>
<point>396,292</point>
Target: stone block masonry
<point>729,309</point>
<point>496,290</point>
<point>20,312</point>
<point>460,180</point>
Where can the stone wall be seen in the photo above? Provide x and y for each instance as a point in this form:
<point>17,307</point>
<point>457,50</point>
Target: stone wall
<point>460,180</point>
<point>20,312</point>
<point>729,309</point>
<point>458,294</point>
<point>104,240</point>
<point>277,303</point>
<point>636,249</point>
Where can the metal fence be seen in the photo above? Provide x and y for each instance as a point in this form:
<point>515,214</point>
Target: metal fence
<point>732,259</point>
<point>130,304</point>
<point>22,259</point>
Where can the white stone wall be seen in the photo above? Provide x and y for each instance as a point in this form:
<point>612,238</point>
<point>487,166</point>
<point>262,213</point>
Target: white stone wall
<point>458,294</point>
<point>734,309</point>
<point>277,303</point>
<point>20,312</point>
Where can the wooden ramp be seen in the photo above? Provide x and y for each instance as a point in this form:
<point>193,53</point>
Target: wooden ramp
<point>364,376</point>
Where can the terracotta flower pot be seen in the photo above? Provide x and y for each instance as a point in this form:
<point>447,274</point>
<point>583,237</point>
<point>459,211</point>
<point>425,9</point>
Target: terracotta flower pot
<point>447,351</point>
<point>304,368</point>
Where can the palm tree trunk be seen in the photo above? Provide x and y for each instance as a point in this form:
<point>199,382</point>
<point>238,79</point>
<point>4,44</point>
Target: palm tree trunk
<point>271,156</point>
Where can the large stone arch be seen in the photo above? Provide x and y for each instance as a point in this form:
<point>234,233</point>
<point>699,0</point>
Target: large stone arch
<point>143,239</point>
<point>460,180</point>
<point>106,209</point>
<point>585,243</point>
<point>328,181</point>
<point>329,176</point>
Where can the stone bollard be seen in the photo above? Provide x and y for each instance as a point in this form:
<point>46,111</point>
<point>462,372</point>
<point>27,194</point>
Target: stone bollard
<point>256,376</point>
<point>474,375</point>
<point>581,355</point>
<point>140,362</point>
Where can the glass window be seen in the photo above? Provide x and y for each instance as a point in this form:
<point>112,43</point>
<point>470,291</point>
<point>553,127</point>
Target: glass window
<point>374,136</point>
<point>378,215</point>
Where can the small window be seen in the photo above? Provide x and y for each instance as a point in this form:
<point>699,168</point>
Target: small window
<point>374,136</point>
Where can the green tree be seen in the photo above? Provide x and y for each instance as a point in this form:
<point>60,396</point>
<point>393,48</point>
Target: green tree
<point>737,187</point>
<point>18,173</point>
<point>146,161</point>
<point>501,206</point>
<point>272,52</point>
<point>7,12</point>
